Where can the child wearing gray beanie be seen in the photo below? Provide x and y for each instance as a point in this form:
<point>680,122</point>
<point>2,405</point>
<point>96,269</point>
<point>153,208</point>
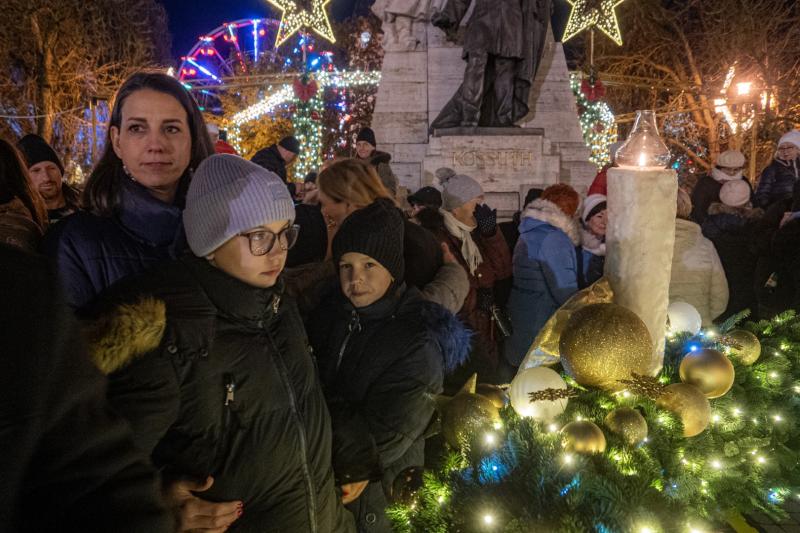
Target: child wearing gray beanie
<point>229,195</point>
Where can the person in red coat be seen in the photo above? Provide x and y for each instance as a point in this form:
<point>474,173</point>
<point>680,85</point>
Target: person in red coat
<point>469,228</point>
<point>600,183</point>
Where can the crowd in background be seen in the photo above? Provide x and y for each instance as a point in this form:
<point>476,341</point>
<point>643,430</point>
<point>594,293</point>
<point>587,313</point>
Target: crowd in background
<point>195,343</point>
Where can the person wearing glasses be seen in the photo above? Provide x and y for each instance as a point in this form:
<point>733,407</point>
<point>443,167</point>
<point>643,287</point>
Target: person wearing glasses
<point>208,360</point>
<point>778,179</point>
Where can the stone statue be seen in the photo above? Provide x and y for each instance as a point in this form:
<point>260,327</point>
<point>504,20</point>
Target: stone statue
<point>503,45</point>
<point>399,18</point>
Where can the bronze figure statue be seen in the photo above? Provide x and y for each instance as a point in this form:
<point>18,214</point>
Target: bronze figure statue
<point>503,45</point>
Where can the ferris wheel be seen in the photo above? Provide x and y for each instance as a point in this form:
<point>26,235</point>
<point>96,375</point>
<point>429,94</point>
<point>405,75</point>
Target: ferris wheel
<point>234,48</point>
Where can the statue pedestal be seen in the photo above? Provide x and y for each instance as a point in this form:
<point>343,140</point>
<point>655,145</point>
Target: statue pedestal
<point>506,162</point>
<point>548,147</point>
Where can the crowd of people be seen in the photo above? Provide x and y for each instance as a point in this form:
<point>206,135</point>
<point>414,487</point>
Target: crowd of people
<point>200,344</point>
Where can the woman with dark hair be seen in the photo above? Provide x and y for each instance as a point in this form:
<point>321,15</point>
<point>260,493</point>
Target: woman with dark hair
<point>135,195</point>
<point>23,217</point>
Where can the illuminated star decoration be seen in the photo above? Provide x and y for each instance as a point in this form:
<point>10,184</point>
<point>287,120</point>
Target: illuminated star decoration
<point>295,18</point>
<point>593,13</point>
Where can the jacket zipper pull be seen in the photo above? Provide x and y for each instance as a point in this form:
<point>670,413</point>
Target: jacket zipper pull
<point>276,303</point>
<point>230,387</point>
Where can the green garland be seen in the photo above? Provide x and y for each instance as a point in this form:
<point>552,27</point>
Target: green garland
<point>747,459</point>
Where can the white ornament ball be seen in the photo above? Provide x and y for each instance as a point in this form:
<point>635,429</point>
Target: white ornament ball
<point>533,380</point>
<point>684,317</point>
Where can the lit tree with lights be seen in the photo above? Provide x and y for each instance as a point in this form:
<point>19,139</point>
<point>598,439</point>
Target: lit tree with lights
<point>524,474</point>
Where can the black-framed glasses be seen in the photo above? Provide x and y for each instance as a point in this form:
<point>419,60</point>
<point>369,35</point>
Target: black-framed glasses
<point>262,241</point>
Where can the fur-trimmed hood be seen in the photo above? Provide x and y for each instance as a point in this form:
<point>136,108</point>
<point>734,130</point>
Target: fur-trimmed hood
<point>125,332</point>
<point>549,213</point>
<point>591,243</point>
<point>718,208</point>
<point>450,333</point>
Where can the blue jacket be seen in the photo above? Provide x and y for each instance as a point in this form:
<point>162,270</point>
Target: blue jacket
<point>776,182</point>
<point>545,273</point>
<point>91,252</point>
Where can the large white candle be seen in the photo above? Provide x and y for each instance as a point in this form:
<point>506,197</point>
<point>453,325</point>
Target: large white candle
<point>639,244</point>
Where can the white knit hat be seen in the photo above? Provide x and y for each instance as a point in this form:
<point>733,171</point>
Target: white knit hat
<point>735,193</point>
<point>591,201</point>
<point>730,159</point>
<point>229,195</point>
<point>793,137</point>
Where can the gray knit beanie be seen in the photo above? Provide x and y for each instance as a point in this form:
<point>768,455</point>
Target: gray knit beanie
<point>229,195</point>
<point>457,189</point>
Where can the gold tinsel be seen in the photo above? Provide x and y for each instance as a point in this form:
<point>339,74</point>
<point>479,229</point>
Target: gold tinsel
<point>646,386</point>
<point>604,343</point>
<point>545,346</point>
<point>746,347</point>
<point>552,394</point>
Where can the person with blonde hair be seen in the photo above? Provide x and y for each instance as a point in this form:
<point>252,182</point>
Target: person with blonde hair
<point>349,185</point>
<point>697,274</point>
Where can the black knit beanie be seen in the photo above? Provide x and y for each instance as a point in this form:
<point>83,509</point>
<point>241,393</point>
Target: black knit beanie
<point>377,231</point>
<point>427,197</point>
<point>35,149</point>
<point>366,134</point>
<point>291,144</point>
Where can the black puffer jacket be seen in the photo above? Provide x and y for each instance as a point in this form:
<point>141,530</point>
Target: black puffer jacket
<point>732,230</point>
<point>92,253</point>
<point>777,182</point>
<point>381,367</point>
<point>229,391</point>
<point>270,158</point>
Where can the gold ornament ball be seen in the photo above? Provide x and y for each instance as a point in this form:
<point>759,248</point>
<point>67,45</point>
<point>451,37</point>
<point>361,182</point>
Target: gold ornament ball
<point>627,423</point>
<point>690,404</point>
<point>406,486</point>
<point>603,343</point>
<point>583,436</point>
<point>750,349</point>
<point>466,417</point>
<point>708,370</point>
<point>494,393</point>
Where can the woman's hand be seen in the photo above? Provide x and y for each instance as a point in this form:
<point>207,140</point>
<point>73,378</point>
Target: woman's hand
<point>351,491</point>
<point>198,515</point>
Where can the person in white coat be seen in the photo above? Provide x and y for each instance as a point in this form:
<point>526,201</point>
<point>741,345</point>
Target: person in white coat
<point>697,274</point>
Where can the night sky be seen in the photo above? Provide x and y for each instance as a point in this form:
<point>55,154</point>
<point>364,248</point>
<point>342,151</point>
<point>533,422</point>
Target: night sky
<point>188,19</point>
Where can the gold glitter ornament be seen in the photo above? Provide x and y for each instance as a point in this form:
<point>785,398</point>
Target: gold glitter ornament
<point>466,417</point>
<point>747,347</point>
<point>690,404</point>
<point>545,350</point>
<point>583,436</point>
<point>708,370</point>
<point>405,488</point>
<point>627,423</point>
<point>604,343</point>
<point>495,394</point>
